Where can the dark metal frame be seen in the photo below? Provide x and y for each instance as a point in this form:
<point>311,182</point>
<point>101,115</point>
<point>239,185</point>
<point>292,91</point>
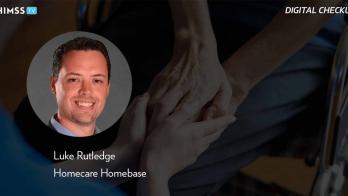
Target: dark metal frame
<point>334,144</point>
<point>334,148</point>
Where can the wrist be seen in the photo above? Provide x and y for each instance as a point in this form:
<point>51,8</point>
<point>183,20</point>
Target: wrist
<point>191,19</point>
<point>154,184</point>
<point>188,36</point>
<point>154,167</point>
<point>239,76</point>
<point>240,83</point>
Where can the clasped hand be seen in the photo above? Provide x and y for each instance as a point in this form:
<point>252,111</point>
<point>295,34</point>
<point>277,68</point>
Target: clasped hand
<point>194,81</point>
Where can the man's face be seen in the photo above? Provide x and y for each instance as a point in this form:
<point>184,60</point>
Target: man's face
<point>81,87</point>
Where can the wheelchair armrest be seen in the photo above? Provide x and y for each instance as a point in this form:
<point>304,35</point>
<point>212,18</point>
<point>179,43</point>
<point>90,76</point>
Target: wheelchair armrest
<point>335,102</point>
<point>334,149</point>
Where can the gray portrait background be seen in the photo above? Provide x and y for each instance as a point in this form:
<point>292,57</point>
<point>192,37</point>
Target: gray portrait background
<point>44,102</point>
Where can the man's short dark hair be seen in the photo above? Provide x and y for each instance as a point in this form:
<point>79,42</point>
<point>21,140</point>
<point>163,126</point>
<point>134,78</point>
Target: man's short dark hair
<point>79,43</point>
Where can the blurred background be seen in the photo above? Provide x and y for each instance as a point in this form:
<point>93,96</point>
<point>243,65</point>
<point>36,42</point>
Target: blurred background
<point>21,36</point>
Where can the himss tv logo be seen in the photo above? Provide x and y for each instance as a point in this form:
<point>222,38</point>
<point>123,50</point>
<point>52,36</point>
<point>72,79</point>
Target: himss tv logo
<point>29,10</point>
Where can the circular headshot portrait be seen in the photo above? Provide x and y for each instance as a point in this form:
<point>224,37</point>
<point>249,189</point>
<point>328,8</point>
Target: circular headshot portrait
<point>79,84</point>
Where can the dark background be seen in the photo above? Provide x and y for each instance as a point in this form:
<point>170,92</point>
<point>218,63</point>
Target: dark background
<point>21,36</point>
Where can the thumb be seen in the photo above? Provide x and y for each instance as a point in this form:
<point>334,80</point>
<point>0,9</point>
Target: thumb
<point>219,106</point>
<point>135,116</point>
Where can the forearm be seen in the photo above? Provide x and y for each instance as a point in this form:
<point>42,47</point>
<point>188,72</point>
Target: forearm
<point>152,186</point>
<point>194,59</point>
<point>277,42</point>
<point>192,22</point>
<point>155,183</point>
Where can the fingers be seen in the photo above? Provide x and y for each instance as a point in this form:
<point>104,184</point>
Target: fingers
<point>208,139</point>
<point>223,98</point>
<point>205,142</point>
<point>190,104</point>
<point>167,90</point>
<point>169,81</point>
<point>198,97</point>
<point>141,105</point>
<point>209,131</point>
<point>220,104</point>
<point>157,89</point>
<point>180,116</point>
<point>210,112</point>
<point>137,109</point>
<point>208,127</point>
<point>133,124</point>
<point>166,105</point>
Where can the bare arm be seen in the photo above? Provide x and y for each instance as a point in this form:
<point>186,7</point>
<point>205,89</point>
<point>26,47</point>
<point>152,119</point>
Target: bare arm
<point>182,84</point>
<point>278,41</point>
<point>192,21</point>
<point>172,146</point>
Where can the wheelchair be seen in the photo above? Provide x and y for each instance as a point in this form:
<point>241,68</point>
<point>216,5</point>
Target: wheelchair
<point>331,154</point>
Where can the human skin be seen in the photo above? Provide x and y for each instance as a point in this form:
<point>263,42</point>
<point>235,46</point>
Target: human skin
<point>158,153</point>
<point>272,46</point>
<point>173,145</point>
<point>127,146</point>
<point>194,76</point>
<point>256,59</point>
<point>182,84</point>
<point>81,89</point>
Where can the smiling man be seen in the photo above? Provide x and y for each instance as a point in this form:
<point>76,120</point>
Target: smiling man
<point>80,82</point>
